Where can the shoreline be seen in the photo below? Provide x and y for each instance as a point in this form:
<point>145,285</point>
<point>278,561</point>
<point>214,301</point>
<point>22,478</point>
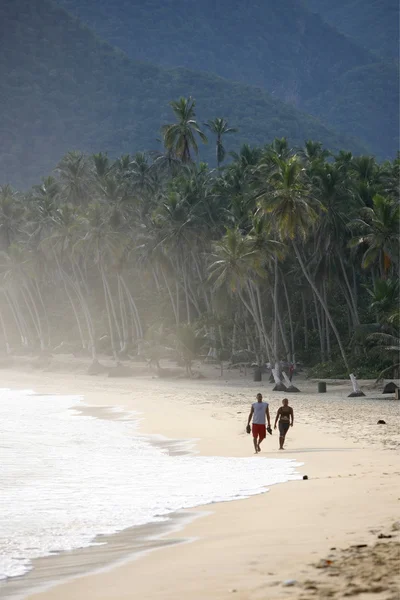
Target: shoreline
<point>224,419</point>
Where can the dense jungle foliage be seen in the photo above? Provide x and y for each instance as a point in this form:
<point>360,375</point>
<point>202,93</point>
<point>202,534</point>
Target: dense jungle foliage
<point>277,254</point>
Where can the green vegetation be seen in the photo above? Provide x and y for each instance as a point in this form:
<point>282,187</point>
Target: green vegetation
<point>338,65</point>
<point>373,24</point>
<point>63,88</point>
<point>279,254</point>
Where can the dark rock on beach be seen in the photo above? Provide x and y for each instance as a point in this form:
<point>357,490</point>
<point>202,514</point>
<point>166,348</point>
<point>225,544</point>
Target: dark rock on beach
<point>96,368</point>
<point>280,387</point>
<point>390,388</point>
<point>292,389</point>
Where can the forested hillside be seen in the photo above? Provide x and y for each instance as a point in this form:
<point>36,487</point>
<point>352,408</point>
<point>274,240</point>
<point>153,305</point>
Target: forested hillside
<point>281,46</point>
<point>61,87</point>
<point>373,24</point>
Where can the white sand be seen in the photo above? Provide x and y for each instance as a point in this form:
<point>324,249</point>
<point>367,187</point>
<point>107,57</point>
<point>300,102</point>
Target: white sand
<point>249,548</point>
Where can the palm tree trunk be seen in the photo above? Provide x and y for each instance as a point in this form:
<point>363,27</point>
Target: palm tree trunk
<point>22,319</point>
<point>85,308</point>
<point>33,317</point>
<point>133,309</point>
<point>256,312</point>
<point>6,339</point>
<point>293,354</point>
<point>177,301</point>
<point>16,318</point>
<point>46,316</point>
<point>350,307</point>
<point>36,312</point>
<point>283,335</point>
<point>328,340</point>
<point>320,332</point>
<point>124,321</point>
<point>108,310</point>
<point>113,311</point>
<point>170,296</point>
<point>74,310</point>
<point>201,280</point>
<point>185,289</point>
<point>251,312</point>
<point>305,321</point>
<point>323,304</point>
<point>275,300</point>
<point>351,295</point>
<point>234,335</point>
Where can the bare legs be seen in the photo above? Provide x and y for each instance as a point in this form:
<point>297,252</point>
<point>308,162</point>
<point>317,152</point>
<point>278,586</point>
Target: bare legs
<point>257,443</point>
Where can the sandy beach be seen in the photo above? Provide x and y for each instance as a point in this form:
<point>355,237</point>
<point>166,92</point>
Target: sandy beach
<point>317,538</point>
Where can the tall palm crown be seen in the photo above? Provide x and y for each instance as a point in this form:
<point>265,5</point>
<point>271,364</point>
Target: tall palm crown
<point>379,231</point>
<point>180,137</point>
<point>288,199</point>
<point>219,128</point>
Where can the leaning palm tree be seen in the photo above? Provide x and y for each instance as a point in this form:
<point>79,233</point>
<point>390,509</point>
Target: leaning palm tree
<point>294,211</point>
<point>220,127</point>
<point>180,137</point>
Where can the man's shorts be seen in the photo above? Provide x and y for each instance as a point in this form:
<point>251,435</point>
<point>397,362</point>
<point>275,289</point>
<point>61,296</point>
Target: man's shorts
<point>283,427</point>
<point>259,430</point>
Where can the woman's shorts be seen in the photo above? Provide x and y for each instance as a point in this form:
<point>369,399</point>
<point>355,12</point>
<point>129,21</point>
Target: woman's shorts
<point>283,427</point>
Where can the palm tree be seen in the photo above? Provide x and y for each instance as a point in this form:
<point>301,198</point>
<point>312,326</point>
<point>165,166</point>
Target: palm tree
<point>236,263</point>
<point>333,190</point>
<point>220,127</point>
<point>385,299</point>
<point>11,212</point>
<point>101,164</point>
<point>290,204</point>
<point>387,345</point>
<point>379,227</point>
<point>180,137</point>
<point>76,178</point>
<point>314,152</point>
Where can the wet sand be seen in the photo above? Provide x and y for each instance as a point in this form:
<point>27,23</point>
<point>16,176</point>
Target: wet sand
<point>250,548</point>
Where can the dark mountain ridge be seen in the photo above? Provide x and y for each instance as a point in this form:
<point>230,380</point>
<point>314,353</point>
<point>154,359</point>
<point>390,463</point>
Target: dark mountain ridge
<point>282,47</point>
<point>374,25</point>
<point>62,88</point>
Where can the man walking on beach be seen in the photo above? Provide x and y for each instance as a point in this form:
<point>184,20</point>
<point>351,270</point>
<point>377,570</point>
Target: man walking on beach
<point>286,418</point>
<point>259,413</point>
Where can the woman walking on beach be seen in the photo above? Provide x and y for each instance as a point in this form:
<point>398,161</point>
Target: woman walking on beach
<point>286,417</point>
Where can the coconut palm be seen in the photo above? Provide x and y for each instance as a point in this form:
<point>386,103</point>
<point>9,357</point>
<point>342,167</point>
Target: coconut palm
<point>378,229</point>
<point>387,345</point>
<point>293,209</point>
<point>385,299</point>
<point>219,127</point>
<point>76,178</point>
<point>180,137</point>
<point>11,211</point>
<point>234,265</point>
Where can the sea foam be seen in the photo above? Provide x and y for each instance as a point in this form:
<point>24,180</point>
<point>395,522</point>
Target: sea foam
<point>66,478</point>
